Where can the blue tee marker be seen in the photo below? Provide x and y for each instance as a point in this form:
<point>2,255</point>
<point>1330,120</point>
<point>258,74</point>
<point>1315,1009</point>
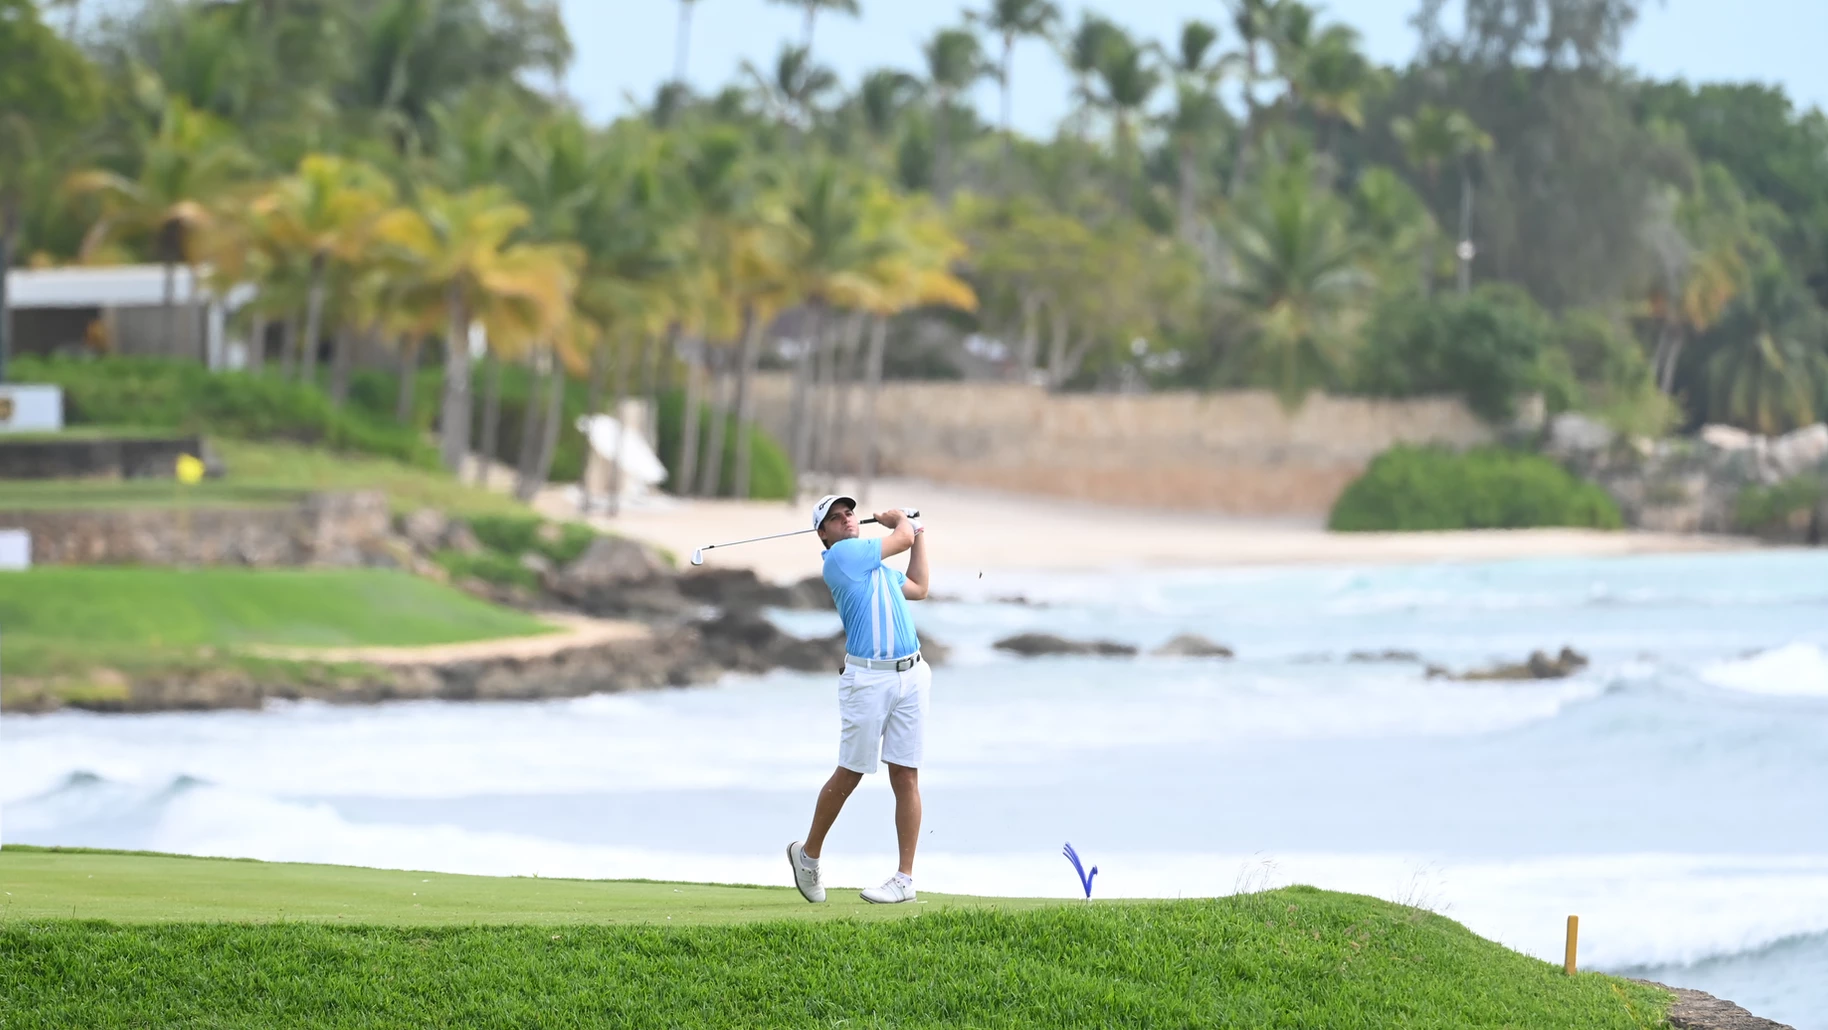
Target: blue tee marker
<point>1085,878</point>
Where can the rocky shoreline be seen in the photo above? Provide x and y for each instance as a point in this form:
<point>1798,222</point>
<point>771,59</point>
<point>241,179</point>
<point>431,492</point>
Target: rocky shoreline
<point>1695,1010</point>
<point>687,628</point>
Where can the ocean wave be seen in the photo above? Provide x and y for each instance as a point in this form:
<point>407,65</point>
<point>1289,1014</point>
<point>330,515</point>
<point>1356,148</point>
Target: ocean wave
<point>1781,981</point>
<point>1794,670</point>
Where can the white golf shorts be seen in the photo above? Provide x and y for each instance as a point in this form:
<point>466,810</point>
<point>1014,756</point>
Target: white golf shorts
<point>883,714</point>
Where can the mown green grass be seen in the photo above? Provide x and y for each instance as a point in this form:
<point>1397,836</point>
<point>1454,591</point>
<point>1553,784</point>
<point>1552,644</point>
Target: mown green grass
<point>512,952</point>
<point>291,467</point>
<point>58,620</point>
<point>268,473</point>
<point>90,494</point>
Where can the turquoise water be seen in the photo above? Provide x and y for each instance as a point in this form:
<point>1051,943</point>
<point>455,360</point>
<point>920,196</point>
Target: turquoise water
<point>1672,795</point>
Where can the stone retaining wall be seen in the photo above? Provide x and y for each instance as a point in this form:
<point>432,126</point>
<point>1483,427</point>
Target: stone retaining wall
<point>1231,451</point>
<point>347,529</point>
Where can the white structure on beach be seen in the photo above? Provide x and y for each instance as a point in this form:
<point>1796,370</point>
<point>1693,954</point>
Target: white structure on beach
<point>621,460</point>
<point>120,309</point>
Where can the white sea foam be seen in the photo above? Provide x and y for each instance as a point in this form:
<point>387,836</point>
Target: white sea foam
<point>748,732</point>
<point>1794,670</point>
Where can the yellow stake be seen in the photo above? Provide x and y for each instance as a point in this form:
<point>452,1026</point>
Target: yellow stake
<point>1573,943</point>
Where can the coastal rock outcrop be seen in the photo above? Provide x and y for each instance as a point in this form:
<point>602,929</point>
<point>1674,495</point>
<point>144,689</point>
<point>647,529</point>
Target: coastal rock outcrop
<point>1711,483</point>
<point>1192,645</point>
<point>1538,666</point>
<point>1035,645</point>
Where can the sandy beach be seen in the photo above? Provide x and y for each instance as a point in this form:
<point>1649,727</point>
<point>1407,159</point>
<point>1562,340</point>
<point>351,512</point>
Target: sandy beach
<point>972,530</point>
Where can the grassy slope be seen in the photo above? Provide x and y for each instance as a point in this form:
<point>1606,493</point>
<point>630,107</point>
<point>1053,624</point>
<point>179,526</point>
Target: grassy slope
<point>564,953</point>
<point>269,473</point>
<point>62,620</point>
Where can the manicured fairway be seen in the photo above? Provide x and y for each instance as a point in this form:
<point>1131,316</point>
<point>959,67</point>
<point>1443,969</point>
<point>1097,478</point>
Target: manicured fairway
<point>464,951</point>
<point>138,888</point>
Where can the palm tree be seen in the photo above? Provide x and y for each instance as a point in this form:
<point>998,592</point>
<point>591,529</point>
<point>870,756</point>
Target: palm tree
<point>1198,116</point>
<point>955,62</point>
<point>828,219</point>
<point>554,169</point>
<point>795,86</point>
<point>1300,286</point>
<point>1014,20</point>
<point>327,212</point>
<point>1332,78</point>
<point>1769,366</point>
<point>455,246</point>
<point>812,9</point>
<point>191,160</point>
<point>720,179</point>
<point>1705,244</point>
<point>913,268</point>
<point>1084,55</point>
<point>882,102</point>
<point>1129,79</point>
<point>635,234</point>
<point>1255,22</point>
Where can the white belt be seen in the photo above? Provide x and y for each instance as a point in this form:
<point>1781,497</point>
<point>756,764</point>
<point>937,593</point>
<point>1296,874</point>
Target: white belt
<point>885,664</point>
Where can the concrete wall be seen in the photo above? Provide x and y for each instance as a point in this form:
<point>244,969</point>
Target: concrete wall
<point>1236,452</point>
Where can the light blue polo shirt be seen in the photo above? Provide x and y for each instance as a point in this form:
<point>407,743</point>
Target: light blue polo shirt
<point>877,623</point>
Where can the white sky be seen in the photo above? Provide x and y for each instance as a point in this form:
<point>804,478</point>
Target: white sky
<point>626,46</point>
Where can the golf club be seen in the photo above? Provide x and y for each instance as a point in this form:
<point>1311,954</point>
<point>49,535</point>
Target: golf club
<point>698,556</point>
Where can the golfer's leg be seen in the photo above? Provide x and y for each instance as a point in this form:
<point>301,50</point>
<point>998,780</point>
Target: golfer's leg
<point>831,801</point>
<point>905,782</point>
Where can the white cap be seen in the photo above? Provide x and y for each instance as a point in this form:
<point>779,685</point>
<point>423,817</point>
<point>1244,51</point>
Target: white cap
<point>820,510</point>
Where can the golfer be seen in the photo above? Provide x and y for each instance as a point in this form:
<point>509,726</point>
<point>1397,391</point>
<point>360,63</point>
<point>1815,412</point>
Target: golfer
<point>882,692</point>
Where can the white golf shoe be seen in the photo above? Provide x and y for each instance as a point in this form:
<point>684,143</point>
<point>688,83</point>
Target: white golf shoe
<point>805,873</point>
<point>893,891</point>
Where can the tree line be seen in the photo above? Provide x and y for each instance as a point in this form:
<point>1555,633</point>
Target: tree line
<point>1252,203</point>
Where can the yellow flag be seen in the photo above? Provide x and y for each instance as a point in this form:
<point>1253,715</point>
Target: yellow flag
<point>190,470</point>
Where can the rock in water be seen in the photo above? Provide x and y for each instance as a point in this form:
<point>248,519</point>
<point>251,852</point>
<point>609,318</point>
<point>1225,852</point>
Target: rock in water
<point>1539,666</point>
<point>1388,655</point>
<point>1034,645</point>
<point>1192,645</point>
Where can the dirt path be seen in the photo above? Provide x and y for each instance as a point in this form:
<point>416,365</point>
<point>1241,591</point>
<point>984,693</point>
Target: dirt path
<point>574,631</point>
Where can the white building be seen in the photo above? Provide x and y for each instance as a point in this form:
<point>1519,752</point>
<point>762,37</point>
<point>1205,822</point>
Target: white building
<point>120,309</point>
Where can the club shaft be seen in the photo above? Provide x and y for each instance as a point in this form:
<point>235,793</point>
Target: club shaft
<point>777,536</point>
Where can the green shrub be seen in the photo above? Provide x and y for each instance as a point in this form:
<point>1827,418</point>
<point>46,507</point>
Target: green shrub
<point>1485,346</point>
<point>1423,488</point>
<point>771,474</point>
<point>1598,367</point>
<point>488,566</point>
<point>514,536</point>
<point>156,393</point>
<point>1761,509</point>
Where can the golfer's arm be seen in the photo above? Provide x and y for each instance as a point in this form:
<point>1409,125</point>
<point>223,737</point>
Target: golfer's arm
<point>915,589</point>
<point>899,539</point>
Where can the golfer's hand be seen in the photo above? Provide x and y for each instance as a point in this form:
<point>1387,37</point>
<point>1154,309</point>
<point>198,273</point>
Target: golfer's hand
<point>891,519</point>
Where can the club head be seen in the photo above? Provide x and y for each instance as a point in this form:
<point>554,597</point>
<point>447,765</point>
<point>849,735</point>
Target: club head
<point>698,557</point>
